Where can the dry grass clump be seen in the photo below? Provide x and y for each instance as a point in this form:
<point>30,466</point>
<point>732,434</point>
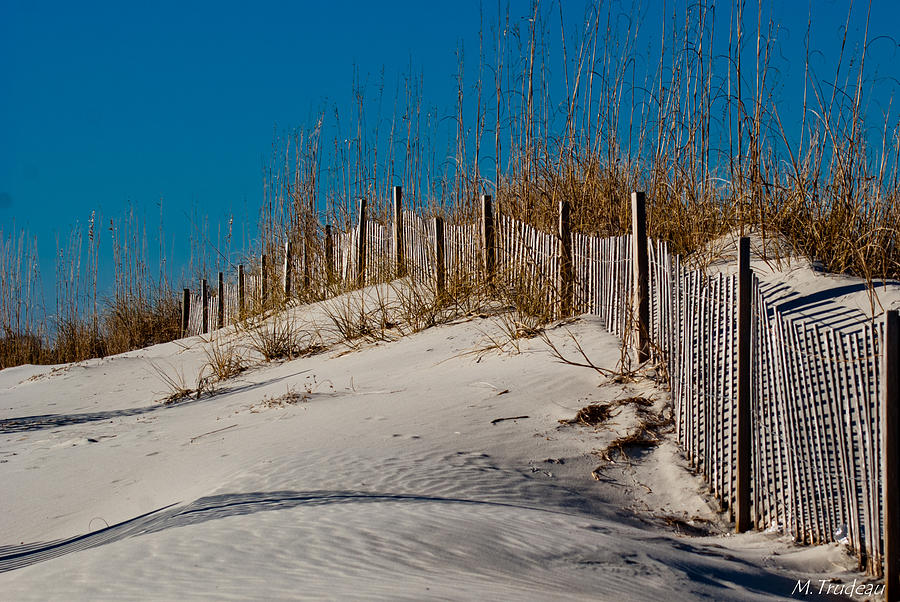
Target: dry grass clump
<point>137,322</point>
<point>531,309</point>
<point>282,337</point>
<point>21,348</point>
<point>404,306</point>
<point>521,309</point>
<point>293,396</point>
<point>692,527</point>
<point>22,328</point>
<point>417,305</point>
<point>224,360</point>
<point>174,379</point>
<point>598,413</point>
<point>365,316</point>
<point>591,415</point>
<point>127,323</point>
<point>648,432</point>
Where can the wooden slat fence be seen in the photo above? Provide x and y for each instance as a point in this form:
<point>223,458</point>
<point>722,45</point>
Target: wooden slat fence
<point>418,240</point>
<point>604,278</point>
<point>380,252</point>
<point>462,253</point>
<point>528,258</point>
<point>815,390</point>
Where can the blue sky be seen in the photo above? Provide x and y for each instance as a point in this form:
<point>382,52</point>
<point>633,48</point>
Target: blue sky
<point>106,104</point>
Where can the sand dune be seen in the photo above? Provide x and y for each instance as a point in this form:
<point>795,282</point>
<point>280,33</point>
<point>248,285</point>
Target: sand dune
<point>390,478</point>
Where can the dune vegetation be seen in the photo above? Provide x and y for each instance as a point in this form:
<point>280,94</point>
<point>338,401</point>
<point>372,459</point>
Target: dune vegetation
<point>701,128</point>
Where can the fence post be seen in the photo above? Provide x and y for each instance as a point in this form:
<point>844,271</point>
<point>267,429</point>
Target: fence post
<point>890,432</point>
<point>641,274</point>
<point>185,311</point>
<point>307,278</point>
<point>204,298</point>
<point>220,319</point>
<point>439,273</point>
<point>287,270</point>
<point>263,284</point>
<point>566,284</point>
<point>361,244</point>
<point>241,291</point>
<point>398,232</point>
<point>329,255</point>
<point>487,237</point>
<point>742,491</point>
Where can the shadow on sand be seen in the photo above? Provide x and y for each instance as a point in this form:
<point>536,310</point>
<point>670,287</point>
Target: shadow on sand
<point>694,562</point>
<point>47,421</point>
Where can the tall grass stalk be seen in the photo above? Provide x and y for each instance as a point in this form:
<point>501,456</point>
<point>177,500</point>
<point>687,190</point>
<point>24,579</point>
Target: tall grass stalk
<point>701,128</point>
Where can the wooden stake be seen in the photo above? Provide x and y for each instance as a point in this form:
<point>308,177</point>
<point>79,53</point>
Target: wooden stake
<point>288,268</point>
<point>742,520</point>
<point>439,272</point>
<point>307,277</point>
<point>241,291</point>
<point>890,477</point>
<point>566,279</point>
<point>204,298</point>
<point>329,255</point>
<point>487,237</point>
<point>185,311</point>
<point>220,319</point>
<point>263,284</point>
<point>399,255</point>
<point>641,274</point>
<point>361,245</point>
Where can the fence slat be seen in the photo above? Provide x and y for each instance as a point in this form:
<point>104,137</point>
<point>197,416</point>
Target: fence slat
<point>890,429</point>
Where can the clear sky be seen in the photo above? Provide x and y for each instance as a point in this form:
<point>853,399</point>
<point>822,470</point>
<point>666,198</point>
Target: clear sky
<point>103,104</point>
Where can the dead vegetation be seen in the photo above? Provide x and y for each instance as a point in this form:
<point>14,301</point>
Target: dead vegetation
<point>598,413</point>
<point>224,360</point>
<point>173,377</point>
<point>827,189</point>
<point>292,396</point>
<point>648,431</point>
<point>692,527</point>
<point>282,337</point>
<point>591,415</point>
<point>366,316</point>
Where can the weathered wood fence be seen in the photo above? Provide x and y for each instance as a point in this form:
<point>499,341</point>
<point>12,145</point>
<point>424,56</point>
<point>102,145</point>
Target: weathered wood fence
<point>783,418</point>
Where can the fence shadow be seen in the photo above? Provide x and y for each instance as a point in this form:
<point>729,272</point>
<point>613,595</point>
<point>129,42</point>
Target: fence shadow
<point>46,421</point>
<point>816,307</point>
<point>736,573</point>
<point>216,507</point>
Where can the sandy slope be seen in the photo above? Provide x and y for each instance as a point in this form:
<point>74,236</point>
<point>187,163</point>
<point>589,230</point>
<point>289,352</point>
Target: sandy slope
<point>388,481</point>
<point>799,289</point>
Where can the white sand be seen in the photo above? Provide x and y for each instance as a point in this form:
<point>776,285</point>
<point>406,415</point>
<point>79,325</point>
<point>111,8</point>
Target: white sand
<point>799,289</point>
<point>389,482</point>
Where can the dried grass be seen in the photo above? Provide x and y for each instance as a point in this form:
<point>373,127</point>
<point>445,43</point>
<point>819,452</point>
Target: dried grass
<point>224,360</point>
<point>829,190</point>
<point>283,337</point>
